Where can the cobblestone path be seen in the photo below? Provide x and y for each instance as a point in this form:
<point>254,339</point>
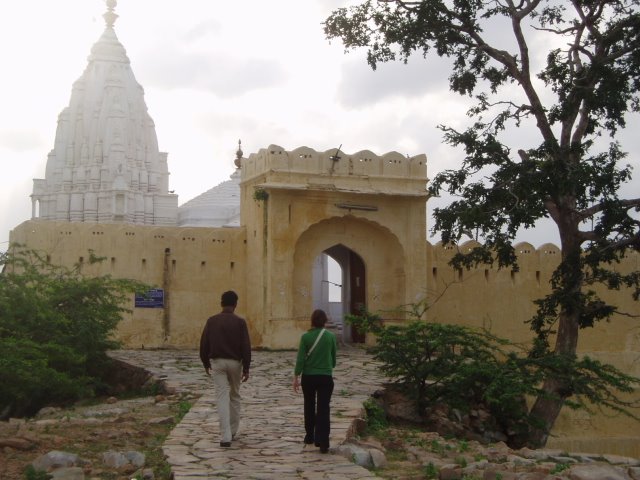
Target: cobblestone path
<point>269,444</point>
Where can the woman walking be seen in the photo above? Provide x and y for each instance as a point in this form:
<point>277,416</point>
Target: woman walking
<point>315,363</point>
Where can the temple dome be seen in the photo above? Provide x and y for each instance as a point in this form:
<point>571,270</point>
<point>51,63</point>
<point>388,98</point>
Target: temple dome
<point>217,207</point>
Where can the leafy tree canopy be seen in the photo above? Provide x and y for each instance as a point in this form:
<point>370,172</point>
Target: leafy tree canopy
<point>568,71</point>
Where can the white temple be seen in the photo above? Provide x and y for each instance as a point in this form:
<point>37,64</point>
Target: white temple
<point>105,165</point>
<point>218,206</point>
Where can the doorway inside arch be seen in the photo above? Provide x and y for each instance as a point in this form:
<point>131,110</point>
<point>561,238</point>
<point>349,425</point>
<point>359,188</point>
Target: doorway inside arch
<point>339,288</point>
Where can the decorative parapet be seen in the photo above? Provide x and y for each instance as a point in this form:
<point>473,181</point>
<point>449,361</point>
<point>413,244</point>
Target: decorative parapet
<point>521,248</point>
<point>363,171</point>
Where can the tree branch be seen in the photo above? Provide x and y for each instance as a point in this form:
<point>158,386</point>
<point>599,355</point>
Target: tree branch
<point>600,207</point>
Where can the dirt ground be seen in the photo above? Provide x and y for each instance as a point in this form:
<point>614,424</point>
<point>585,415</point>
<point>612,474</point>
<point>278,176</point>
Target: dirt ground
<point>111,425</point>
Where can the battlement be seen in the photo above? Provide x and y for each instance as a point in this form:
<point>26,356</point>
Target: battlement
<point>521,248</point>
<point>362,171</point>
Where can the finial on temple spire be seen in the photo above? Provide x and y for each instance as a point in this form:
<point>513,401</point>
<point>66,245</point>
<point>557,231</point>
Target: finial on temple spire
<point>110,16</point>
<point>239,153</point>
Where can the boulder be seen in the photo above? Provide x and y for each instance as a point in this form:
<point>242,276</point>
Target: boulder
<point>68,473</point>
<point>597,472</point>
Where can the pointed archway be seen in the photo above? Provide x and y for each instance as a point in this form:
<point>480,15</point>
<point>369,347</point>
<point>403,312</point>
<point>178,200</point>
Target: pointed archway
<point>373,265</point>
<point>350,286</point>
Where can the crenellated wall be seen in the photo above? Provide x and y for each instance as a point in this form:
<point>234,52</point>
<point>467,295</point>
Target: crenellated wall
<point>192,265</point>
<point>502,300</point>
<point>364,171</point>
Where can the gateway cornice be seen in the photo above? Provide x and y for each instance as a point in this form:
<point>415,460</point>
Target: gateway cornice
<point>403,190</point>
<point>334,163</point>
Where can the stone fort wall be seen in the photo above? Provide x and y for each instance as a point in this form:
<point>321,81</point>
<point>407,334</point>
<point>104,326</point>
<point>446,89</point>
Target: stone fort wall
<point>195,265</point>
<point>501,300</point>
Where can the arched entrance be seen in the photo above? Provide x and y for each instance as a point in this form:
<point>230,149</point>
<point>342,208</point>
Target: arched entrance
<point>340,270</point>
<point>372,262</point>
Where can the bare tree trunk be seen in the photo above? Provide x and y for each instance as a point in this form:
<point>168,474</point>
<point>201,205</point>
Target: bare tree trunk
<point>547,407</point>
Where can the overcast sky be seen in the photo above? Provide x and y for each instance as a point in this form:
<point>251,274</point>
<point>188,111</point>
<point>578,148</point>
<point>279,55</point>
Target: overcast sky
<point>215,72</point>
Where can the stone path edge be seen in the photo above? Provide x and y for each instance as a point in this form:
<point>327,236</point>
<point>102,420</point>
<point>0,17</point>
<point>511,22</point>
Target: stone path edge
<point>269,443</point>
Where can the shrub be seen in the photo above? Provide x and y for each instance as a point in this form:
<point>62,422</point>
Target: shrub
<point>55,330</point>
<point>465,368</point>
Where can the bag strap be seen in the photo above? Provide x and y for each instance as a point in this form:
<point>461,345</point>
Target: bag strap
<point>315,343</point>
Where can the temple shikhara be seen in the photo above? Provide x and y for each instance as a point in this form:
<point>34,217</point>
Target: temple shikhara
<point>270,233</point>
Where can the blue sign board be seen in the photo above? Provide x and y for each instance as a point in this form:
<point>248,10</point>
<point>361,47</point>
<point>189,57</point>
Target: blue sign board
<point>153,298</point>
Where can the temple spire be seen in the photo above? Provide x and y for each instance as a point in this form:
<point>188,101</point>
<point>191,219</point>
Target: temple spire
<point>239,153</point>
<point>110,16</point>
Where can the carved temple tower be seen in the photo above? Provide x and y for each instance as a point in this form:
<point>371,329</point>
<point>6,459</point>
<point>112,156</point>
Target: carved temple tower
<point>105,165</point>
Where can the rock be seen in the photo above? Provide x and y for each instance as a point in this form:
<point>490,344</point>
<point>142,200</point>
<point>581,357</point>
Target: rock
<point>358,426</point>
<point>160,421</point>
<point>68,473</point>
<point>597,472</point>
<point>127,469</point>
<point>135,458</point>
<point>518,460</point>
<point>56,459</point>
<point>48,411</point>
<point>533,476</point>
<point>450,472</point>
<point>495,474</point>
<point>397,405</point>
<point>112,400</point>
<point>377,458</point>
<point>114,459</point>
<point>634,472</point>
<point>120,460</point>
<point>17,443</point>
<point>620,460</point>
<point>46,422</point>
<point>356,454</point>
<point>147,474</point>
<point>160,398</point>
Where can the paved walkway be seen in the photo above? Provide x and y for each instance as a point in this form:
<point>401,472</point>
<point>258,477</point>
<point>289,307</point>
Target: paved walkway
<point>269,444</point>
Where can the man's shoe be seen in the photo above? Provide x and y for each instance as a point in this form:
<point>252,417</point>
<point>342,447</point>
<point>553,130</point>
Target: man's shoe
<point>225,444</point>
<point>324,449</point>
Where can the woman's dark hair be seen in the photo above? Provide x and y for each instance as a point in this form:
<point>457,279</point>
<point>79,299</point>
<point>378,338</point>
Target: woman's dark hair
<point>318,318</point>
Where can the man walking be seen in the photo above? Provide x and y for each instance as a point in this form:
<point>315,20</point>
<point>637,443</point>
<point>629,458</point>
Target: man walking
<point>225,351</point>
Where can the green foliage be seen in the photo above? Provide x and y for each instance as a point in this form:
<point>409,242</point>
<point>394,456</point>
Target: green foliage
<point>559,467</point>
<point>465,368</point>
<point>55,329</point>
<point>566,165</point>
<point>431,471</point>
<point>260,194</point>
<point>452,364</point>
<point>183,408</point>
<point>30,473</point>
<point>376,417</point>
<point>460,461</point>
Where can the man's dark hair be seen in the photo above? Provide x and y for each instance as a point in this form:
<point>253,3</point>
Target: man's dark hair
<point>318,318</point>
<point>229,299</point>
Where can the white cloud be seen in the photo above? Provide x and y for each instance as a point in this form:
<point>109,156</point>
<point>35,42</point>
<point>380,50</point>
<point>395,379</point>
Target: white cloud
<point>216,72</point>
<point>361,86</point>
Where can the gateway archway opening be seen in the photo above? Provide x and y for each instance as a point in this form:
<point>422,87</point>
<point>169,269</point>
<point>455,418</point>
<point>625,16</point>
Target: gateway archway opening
<point>340,289</point>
